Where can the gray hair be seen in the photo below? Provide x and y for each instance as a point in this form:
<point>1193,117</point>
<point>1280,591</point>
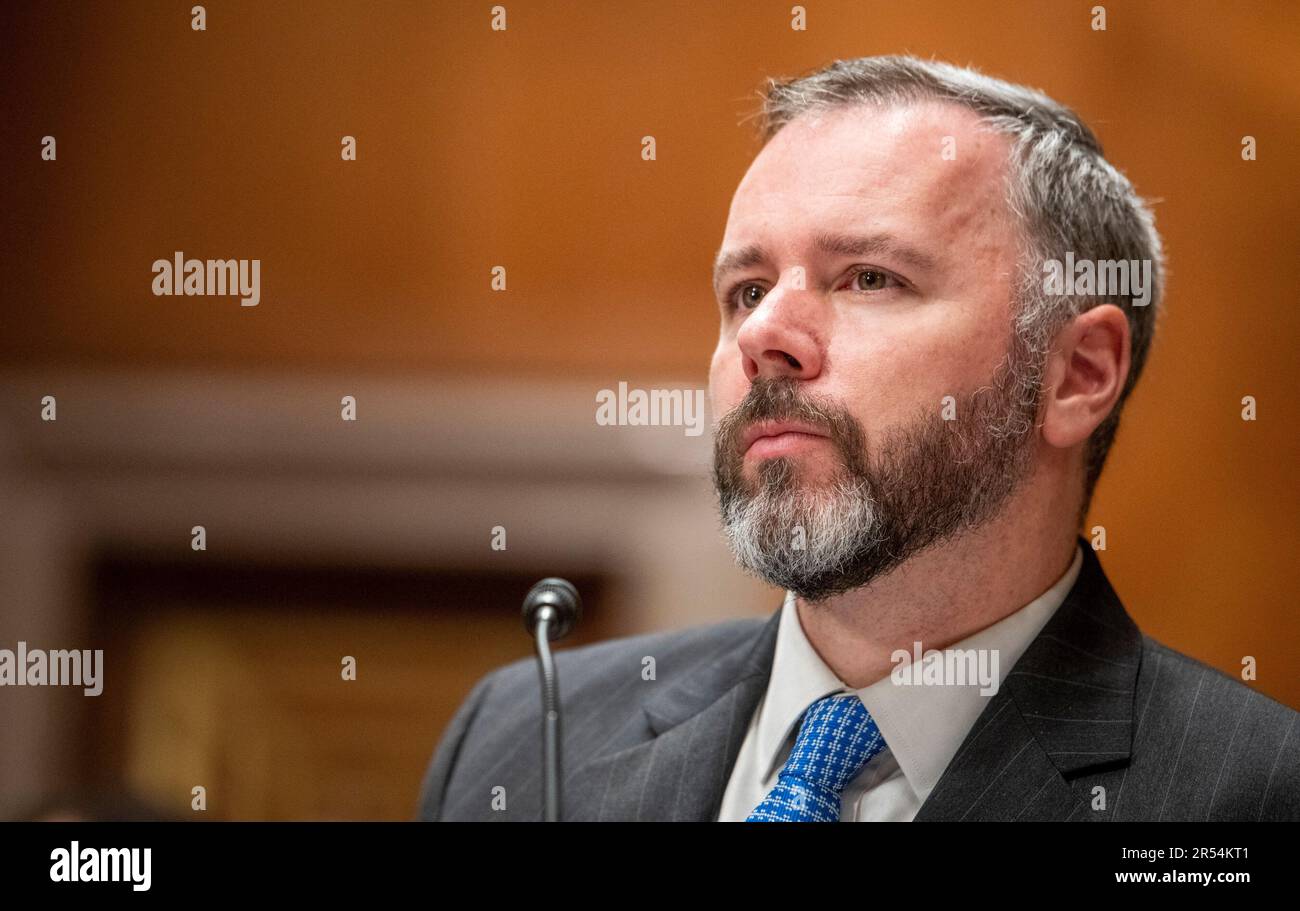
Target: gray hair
<point>1066,196</point>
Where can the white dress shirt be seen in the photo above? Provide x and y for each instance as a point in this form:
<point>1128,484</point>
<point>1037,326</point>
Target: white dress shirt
<point>922,725</point>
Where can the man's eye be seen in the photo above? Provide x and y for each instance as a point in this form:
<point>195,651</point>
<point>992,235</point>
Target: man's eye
<point>872,280</point>
<point>748,296</point>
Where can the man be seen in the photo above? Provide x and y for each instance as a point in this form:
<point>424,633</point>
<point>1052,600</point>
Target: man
<point>915,404</point>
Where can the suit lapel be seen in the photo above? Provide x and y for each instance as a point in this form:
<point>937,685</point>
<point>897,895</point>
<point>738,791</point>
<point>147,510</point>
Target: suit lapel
<point>1065,710</point>
<point>697,724</point>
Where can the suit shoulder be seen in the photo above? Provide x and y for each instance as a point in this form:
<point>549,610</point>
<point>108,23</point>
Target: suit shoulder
<point>1208,746</point>
<point>586,666</point>
<point>1172,669</point>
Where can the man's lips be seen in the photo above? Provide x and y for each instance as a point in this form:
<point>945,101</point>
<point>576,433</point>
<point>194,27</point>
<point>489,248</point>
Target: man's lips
<point>772,438</point>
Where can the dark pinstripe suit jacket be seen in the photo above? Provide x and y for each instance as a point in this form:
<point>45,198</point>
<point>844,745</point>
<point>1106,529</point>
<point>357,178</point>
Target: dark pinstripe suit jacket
<point>1092,703</point>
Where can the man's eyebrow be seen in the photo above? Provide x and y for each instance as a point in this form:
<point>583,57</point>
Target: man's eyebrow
<point>830,243</point>
<point>733,260</point>
<point>874,245</point>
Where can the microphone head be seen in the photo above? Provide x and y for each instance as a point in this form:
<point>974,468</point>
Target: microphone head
<point>558,594</point>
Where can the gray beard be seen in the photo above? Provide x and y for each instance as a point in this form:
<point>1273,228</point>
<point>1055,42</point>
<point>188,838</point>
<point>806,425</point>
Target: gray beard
<point>930,480</point>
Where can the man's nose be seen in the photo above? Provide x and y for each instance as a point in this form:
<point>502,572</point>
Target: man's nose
<point>778,338</point>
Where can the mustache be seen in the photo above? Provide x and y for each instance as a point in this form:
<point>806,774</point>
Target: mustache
<point>782,399</point>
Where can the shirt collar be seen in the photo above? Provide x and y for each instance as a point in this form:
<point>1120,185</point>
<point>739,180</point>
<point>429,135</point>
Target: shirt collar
<point>923,726</point>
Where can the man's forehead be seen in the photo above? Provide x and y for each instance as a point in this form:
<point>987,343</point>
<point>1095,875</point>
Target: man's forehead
<point>926,179</point>
<point>915,155</point>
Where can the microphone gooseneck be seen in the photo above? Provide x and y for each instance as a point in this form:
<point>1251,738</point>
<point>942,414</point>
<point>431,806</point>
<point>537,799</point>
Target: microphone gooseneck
<point>551,609</point>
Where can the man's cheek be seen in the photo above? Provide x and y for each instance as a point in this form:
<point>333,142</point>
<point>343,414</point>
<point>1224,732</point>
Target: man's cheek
<point>726,387</point>
<point>915,376</point>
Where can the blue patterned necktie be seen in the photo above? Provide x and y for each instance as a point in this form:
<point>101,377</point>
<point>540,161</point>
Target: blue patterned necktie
<point>837,738</point>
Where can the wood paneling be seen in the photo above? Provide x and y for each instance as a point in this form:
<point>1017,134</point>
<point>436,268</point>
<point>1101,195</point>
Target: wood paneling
<point>233,682</point>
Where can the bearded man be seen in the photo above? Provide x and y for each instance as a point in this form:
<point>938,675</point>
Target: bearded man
<point>911,421</point>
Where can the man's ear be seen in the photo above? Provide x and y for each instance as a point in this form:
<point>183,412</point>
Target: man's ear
<point>1086,371</point>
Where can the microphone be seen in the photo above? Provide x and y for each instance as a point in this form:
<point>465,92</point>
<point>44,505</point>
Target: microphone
<point>551,609</point>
